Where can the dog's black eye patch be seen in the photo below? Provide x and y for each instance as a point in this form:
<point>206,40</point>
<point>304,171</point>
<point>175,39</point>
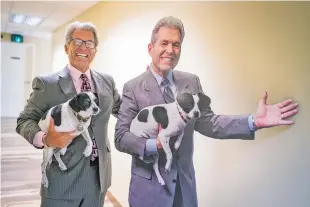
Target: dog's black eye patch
<point>186,102</point>
<point>161,116</point>
<point>204,101</point>
<point>56,114</point>
<point>84,101</point>
<point>142,116</point>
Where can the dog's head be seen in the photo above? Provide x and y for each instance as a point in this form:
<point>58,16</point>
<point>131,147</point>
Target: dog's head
<point>193,104</point>
<point>85,104</point>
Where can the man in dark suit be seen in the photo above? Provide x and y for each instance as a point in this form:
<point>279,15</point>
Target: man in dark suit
<point>87,179</point>
<point>155,86</point>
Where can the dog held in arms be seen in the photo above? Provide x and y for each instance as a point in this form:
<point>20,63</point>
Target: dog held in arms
<point>172,118</point>
<point>71,116</point>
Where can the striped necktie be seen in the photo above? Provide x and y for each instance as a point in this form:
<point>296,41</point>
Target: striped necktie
<point>167,93</point>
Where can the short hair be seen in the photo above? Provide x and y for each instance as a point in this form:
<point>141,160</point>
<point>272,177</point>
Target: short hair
<point>83,26</point>
<point>170,22</point>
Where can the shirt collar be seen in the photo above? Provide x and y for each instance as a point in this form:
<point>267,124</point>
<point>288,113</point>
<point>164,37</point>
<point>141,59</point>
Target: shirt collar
<point>160,78</point>
<point>76,74</point>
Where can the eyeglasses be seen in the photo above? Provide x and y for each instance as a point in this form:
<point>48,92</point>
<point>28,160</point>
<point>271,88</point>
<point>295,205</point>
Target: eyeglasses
<point>79,42</point>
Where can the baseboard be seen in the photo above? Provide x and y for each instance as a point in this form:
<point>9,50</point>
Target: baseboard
<point>113,199</point>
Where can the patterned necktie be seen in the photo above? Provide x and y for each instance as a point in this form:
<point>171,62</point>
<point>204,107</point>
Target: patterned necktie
<point>167,93</point>
<point>85,83</point>
<point>86,87</point>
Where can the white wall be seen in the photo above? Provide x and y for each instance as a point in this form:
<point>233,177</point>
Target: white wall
<point>42,55</point>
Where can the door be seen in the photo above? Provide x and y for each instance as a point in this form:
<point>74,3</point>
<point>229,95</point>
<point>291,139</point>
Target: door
<point>12,78</point>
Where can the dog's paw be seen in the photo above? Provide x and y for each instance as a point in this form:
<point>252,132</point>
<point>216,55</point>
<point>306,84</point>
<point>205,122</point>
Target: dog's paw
<point>62,166</point>
<point>177,145</point>
<point>63,151</point>
<point>161,181</point>
<point>167,169</point>
<point>87,151</point>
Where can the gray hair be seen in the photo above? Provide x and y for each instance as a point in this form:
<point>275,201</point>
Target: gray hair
<point>170,22</point>
<point>83,26</point>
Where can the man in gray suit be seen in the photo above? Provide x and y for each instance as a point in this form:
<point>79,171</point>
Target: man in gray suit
<point>85,182</point>
<point>148,89</point>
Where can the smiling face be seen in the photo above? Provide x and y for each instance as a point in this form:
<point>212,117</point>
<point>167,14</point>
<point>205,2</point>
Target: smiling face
<point>166,50</point>
<point>80,56</point>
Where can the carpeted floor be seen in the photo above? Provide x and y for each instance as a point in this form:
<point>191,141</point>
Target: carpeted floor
<point>20,170</point>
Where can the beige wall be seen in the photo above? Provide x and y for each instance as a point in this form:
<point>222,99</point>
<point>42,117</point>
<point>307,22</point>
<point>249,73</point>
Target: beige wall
<point>238,50</point>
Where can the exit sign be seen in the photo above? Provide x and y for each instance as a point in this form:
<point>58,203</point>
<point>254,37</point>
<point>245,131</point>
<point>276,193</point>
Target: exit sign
<point>17,38</point>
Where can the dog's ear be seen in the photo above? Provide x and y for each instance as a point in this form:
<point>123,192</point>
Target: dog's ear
<point>204,101</point>
<point>186,101</point>
<point>74,104</point>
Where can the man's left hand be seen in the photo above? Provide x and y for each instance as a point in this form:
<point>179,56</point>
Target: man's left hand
<point>274,115</point>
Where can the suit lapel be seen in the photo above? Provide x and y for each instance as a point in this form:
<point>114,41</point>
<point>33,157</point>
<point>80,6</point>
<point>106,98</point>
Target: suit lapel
<point>180,81</point>
<point>152,88</point>
<point>100,85</point>
<point>66,84</point>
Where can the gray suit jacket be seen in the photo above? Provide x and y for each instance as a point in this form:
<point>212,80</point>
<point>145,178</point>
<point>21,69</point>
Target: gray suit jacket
<point>57,88</point>
<point>144,189</point>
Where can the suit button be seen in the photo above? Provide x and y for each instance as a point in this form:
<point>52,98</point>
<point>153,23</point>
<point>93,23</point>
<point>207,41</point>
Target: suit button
<point>174,180</point>
<point>178,157</point>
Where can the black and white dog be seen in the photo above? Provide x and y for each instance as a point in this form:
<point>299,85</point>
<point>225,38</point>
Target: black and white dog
<point>172,118</point>
<point>71,116</point>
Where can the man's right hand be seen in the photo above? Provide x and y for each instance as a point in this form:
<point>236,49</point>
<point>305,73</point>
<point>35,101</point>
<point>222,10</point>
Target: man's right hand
<point>57,139</point>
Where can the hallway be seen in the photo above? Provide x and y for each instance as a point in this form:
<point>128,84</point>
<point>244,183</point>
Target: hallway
<point>20,170</point>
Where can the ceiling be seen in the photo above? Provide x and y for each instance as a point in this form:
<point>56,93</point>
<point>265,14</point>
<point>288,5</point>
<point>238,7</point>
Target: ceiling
<point>54,14</point>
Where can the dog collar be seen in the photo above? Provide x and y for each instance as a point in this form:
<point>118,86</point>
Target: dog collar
<point>80,118</point>
<point>181,115</point>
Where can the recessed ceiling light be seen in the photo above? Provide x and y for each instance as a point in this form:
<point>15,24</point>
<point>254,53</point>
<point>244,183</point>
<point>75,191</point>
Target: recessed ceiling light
<point>24,19</point>
<point>32,21</point>
<point>17,18</point>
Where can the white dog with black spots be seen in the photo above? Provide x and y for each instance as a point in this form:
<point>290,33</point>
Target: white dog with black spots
<point>172,118</point>
<point>71,116</point>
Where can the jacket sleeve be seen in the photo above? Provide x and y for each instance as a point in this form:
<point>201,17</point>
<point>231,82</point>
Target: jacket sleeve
<point>36,106</point>
<point>125,141</point>
<point>223,126</point>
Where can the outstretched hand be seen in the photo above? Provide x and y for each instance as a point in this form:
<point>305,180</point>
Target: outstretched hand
<point>274,115</point>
